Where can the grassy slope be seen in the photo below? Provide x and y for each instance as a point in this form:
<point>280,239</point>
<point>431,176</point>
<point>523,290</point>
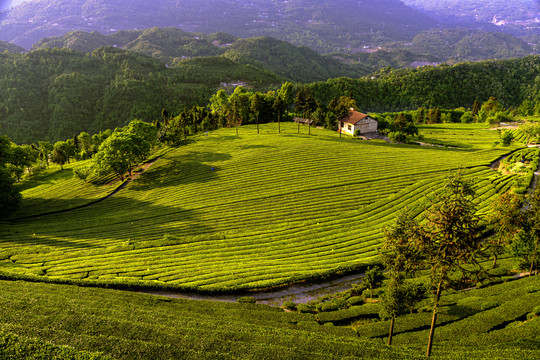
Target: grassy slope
<point>483,323</point>
<point>278,208</point>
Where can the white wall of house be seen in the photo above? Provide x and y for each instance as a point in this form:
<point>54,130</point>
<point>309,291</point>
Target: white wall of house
<point>366,125</point>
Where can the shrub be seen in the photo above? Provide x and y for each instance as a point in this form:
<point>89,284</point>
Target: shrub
<point>304,308</point>
<point>490,304</point>
<point>289,305</point>
<point>247,300</point>
<point>355,300</point>
<point>329,306</point>
<point>308,323</point>
<point>498,272</point>
<point>341,303</point>
<point>467,118</point>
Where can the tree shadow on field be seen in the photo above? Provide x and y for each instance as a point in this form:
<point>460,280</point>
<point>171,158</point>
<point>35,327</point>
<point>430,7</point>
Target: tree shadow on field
<point>193,167</point>
<point>247,147</point>
<point>112,221</point>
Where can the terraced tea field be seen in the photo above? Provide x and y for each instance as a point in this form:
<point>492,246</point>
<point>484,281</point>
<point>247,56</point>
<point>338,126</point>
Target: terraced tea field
<point>498,322</point>
<point>225,212</point>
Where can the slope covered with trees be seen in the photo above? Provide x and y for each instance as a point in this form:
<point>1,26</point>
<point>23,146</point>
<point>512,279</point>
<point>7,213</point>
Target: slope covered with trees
<point>325,26</point>
<point>55,94</point>
<point>511,82</point>
<point>465,44</point>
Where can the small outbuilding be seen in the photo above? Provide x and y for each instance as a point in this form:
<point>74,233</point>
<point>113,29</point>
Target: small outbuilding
<point>357,121</point>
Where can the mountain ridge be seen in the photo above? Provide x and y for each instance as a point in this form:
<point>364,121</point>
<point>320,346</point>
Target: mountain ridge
<point>326,26</point>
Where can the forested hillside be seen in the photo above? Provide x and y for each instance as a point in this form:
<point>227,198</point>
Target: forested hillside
<point>465,44</point>
<point>172,46</point>
<point>509,81</point>
<point>324,26</point>
<point>109,87</point>
<point>5,46</point>
<point>74,92</point>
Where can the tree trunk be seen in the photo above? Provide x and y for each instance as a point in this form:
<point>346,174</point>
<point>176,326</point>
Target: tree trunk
<point>309,128</point>
<point>236,130</point>
<point>299,127</point>
<point>533,258</point>
<point>391,333</point>
<point>279,122</point>
<point>495,255</point>
<point>434,319</point>
<point>257,123</point>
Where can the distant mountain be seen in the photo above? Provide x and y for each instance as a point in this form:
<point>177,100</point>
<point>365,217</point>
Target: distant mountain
<point>466,44</point>
<point>324,26</point>
<point>173,46</point>
<point>5,46</point>
<point>516,16</point>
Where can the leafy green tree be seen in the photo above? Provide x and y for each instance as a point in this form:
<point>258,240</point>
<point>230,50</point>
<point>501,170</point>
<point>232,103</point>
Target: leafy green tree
<point>525,244</point>
<point>238,110</point>
<point>506,137</point>
<point>476,108</point>
<point>279,106</point>
<point>420,116</point>
<point>434,116</point>
<point>120,152</point>
<point>59,154</point>
<point>256,106</point>
<point>45,149</point>
<point>10,197</point>
<point>450,240</point>
<point>467,118</point>
<point>82,173</point>
<point>400,258</point>
<point>506,219</point>
<point>373,278</point>
<point>85,145</point>
<point>331,121</point>
<point>144,130</point>
<point>394,303</point>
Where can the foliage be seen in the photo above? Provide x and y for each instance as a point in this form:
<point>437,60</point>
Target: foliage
<point>247,300</point>
<point>506,219</point>
<point>120,152</point>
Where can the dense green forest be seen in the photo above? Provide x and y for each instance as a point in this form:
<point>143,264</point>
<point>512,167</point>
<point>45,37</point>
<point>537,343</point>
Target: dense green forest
<point>54,94</point>
<point>76,92</point>
<point>465,44</point>
<point>510,81</point>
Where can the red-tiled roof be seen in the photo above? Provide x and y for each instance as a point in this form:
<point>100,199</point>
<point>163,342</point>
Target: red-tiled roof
<point>354,117</point>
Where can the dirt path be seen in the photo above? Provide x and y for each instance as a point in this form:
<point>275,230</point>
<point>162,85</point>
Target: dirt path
<point>299,293</point>
<point>121,187</point>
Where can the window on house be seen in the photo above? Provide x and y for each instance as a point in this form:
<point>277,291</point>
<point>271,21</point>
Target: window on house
<point>350,127</point>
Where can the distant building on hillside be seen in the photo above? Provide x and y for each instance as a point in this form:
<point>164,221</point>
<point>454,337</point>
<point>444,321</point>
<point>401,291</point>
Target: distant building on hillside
<point>357,121</point>
<point>302,121</point>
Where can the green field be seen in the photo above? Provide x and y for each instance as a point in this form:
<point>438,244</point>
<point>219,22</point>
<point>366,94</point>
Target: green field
<point>498,322</point>
<point>277,209</point>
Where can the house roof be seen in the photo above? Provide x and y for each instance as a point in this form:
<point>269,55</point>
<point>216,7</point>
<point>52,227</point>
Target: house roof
<point>354,117</point>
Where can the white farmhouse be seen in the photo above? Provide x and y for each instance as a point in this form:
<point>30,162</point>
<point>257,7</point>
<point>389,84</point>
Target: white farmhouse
<point>357,121</point>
